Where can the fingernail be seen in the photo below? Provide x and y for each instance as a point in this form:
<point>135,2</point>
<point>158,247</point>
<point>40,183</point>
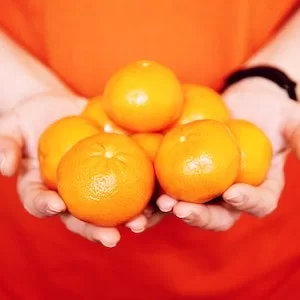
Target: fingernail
<point>166,208</point>
<point>184,215</point>
<point>137,230</point>
<point>106,242</point>
<point>2,164</point>
<point>135,227</point>
<point>108,245</point>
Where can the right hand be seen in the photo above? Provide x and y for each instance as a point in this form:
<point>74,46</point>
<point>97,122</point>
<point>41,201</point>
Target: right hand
<point>20,130</point>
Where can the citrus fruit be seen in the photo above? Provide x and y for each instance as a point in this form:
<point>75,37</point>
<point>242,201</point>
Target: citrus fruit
<point>56,140</point>
<point>143,96</point>
<point>95,113</point>
<point>201,102</point>
<point>106,179</point>
<point>149,142</point>
<point>256,151</point>
<point>198,161</point>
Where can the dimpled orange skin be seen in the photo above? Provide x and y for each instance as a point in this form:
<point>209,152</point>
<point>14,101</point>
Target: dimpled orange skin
<point>95,113</point>
<point>144,96</point>
<point>149,142</point>
<point>198,161</point>
<point>256,151</point>
<point>201,103</point>
<point>106,180</point>
<point>56,140</point>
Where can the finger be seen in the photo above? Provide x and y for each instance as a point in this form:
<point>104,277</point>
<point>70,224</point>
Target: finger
<point>109,237</point>
<point>262,200</point>
<point>36,198</point>
<point>153,215</point>
<point>149,210</point>
<point>10,146</point>
<point>10,156</point>
<point>166,203</point>
<point>138,224</point>
<point>206,216</point>
<point>155,219</point>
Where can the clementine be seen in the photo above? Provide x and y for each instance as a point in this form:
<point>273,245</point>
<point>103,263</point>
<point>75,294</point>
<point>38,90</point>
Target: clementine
<point>149,142</point>
<point>106,179</point>
<point>95,113</point>
<point>56,140</point>
<point>198,161</point>
<point>143,96</point>
<point>201,102</point>
<point>256,151</point>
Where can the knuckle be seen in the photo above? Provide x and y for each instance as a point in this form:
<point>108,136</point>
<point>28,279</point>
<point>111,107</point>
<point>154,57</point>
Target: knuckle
<point>39,206</point>
<point>208,222</point>
<point>267,209</point>
<point>194,223</point>
<point>254,205</point>
<point>197,221</point>
<point>28,203</point>
<point>32,211</point>
<point>269,205</point>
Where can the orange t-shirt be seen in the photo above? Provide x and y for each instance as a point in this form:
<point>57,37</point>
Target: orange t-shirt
<point>84,41</point>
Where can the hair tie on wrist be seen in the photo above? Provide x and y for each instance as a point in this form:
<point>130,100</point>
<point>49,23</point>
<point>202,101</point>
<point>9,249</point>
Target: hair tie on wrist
<point>268,72</point>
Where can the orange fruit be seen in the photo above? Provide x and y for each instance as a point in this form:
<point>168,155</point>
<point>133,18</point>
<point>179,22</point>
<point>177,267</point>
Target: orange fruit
<point>198,161</point>
<point>106,179</point>
<point>56,140</point>
<point>95,113</point>
<point>256,151</point>
<point>143,96</point>
<point>149,142</point>
<point>201,103</point>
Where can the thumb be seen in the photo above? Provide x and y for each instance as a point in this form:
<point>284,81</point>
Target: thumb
<point>10,145</point>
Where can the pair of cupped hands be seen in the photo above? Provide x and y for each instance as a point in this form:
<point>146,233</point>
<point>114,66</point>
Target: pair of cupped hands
<point>256,100</point>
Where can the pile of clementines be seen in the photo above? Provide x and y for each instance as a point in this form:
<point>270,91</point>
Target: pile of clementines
<point>148,129</point>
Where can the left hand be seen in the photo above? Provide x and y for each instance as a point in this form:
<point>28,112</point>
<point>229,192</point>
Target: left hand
<point>268,106</point>
<point>20,130</point>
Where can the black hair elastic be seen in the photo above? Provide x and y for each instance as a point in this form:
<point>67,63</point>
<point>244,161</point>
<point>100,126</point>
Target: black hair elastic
<point>268,72</point>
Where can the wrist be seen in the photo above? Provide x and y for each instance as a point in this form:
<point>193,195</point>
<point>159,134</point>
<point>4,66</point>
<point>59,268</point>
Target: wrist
<point>254,95</point>
<point>252,84</point>
<point>272,74</point>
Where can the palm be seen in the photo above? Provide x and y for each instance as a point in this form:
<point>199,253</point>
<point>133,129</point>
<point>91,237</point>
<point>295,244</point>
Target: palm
<point>36,114</point>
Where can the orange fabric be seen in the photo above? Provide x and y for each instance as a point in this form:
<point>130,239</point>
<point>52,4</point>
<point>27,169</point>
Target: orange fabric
<point>84,41</point>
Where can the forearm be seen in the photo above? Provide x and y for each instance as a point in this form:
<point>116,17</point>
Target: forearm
<point>283,51</point>
<point>22,76</point>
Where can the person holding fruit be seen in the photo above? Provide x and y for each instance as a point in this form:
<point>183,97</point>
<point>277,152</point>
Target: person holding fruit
<point>58,59</point>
